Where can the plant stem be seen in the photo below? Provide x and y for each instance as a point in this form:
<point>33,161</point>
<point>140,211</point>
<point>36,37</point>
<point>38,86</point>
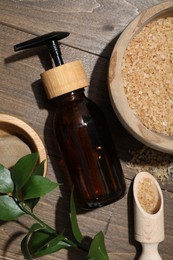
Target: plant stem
<point>50,229</point>
<point>70,242</point>
<point>29,212</point>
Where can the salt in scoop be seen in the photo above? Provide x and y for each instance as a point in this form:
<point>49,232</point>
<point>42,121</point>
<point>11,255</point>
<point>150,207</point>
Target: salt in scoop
<point>148,215</point>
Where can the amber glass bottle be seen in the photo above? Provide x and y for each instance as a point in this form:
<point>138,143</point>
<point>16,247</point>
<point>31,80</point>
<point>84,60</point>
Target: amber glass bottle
<point>81,130</point>
<point>88,150</point>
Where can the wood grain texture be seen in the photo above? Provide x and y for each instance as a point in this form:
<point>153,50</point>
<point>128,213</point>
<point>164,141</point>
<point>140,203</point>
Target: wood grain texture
<point>94,26</point>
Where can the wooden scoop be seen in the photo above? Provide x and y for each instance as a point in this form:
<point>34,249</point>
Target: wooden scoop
<point>148,215</point>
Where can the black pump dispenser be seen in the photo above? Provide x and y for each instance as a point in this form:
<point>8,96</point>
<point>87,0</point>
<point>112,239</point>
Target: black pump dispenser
<point>49,39</point>
<point>67,77</point>
<point>81,129</point>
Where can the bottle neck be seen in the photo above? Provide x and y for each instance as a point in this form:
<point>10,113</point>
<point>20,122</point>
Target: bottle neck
<point>71,96</point>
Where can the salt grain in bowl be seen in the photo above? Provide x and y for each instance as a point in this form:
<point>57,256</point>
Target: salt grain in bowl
<point>147,71</point>
<point>140,77</point>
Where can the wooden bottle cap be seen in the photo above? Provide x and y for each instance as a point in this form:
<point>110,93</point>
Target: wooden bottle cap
<point>64,79</point>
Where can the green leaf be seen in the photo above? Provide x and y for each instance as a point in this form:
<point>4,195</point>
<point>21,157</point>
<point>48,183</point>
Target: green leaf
<point>24,244</point>
<point>53,245</point>
<point>97,249</point>
<point>73,219</point>
<point>40,241</point>
<point>31,203</point>
<point>25,249</point>
<point>39,170</point>
<point>6,183</point>
<point>37,186</point>
<point>9,209</point>
<point>23,169</point>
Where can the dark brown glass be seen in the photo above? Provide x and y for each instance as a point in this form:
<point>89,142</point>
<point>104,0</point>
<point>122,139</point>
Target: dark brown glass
<point>88,151</point>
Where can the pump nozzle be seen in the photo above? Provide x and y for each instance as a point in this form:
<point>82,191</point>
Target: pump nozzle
<point>62,79</point>
<point>49,39</point>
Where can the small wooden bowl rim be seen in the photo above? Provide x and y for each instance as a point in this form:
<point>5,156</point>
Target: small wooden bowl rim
<point>10,125</point>
<point>115,82</point>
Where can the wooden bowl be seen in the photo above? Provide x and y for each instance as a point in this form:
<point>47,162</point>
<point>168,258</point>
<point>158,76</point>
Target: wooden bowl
<point>118,97</point>
<point>10,125</point>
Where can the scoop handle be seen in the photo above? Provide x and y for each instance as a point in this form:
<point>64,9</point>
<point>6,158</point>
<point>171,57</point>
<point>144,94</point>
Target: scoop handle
<point>150,252</point>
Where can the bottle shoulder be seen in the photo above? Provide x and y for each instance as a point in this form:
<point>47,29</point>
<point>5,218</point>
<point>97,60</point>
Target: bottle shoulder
<point>79,110</point>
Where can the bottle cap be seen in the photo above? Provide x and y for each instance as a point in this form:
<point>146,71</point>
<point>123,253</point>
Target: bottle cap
<point>64,79</point>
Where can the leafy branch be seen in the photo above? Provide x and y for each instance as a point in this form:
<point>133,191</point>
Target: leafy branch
<point>20,191</point>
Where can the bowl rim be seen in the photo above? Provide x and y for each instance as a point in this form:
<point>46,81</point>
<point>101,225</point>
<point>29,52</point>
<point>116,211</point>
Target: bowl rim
<point>115,83</point>
<point>36,139</point>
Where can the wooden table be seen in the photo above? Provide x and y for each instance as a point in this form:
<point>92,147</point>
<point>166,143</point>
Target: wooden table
<point>94,27</point>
